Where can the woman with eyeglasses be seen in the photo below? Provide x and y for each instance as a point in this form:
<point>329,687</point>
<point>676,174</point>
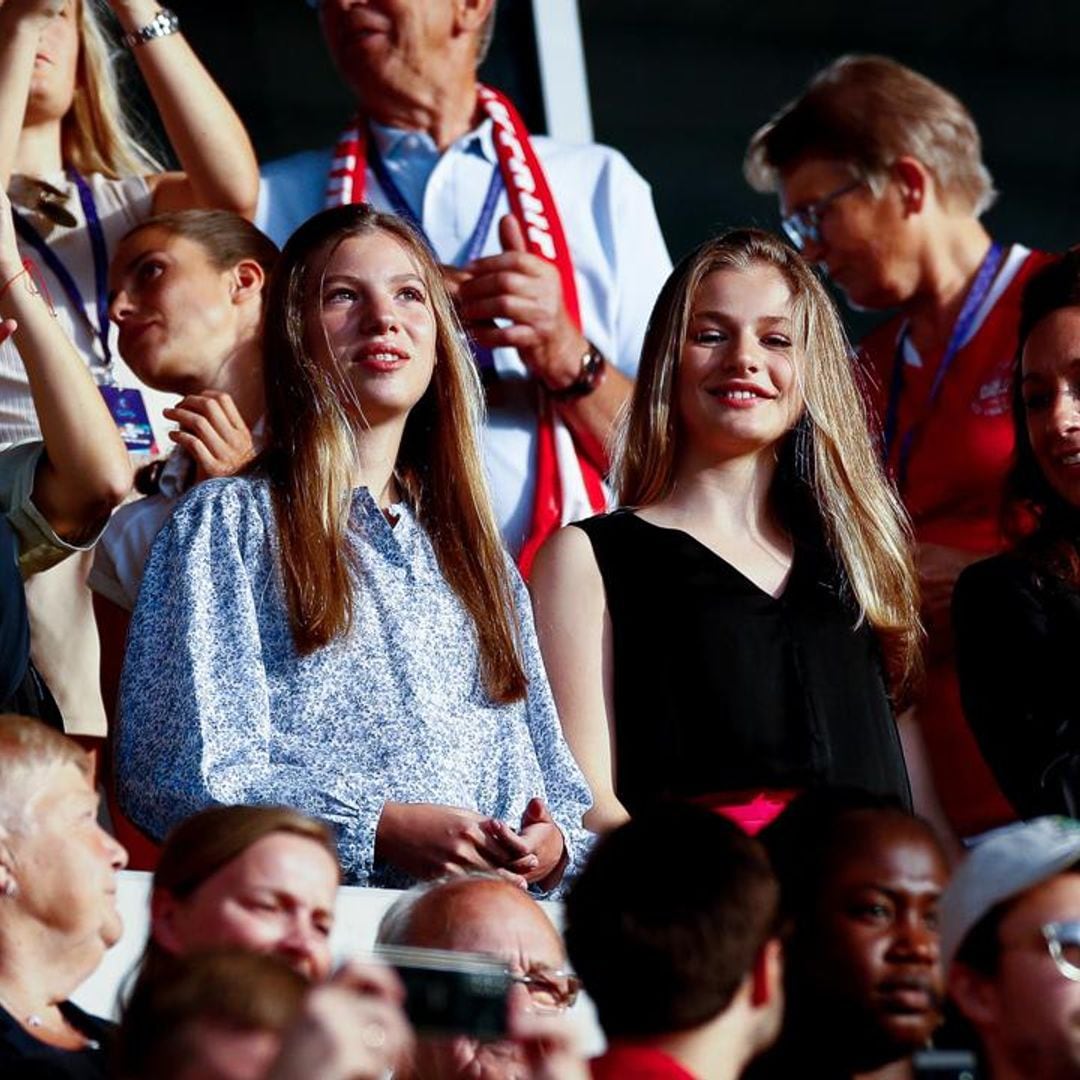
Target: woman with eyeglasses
<point>734,632</point>
<point>881,182</point>
<point>339,628</point>
<point>1017,615</point>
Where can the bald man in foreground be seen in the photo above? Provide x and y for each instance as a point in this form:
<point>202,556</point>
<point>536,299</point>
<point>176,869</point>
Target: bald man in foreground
<point>482,913</point>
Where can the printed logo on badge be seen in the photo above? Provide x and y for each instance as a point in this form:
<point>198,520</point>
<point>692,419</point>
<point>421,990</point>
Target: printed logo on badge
<point>131,418</point>
<point>994,397</point>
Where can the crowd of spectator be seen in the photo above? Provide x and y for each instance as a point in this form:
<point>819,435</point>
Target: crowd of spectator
<point>397,516</point>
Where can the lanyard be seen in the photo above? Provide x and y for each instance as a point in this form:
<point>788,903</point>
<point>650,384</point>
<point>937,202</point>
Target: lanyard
<point>485,359</point>
<point>31,236</point>
<point>984,279</point>
<point>519,171</point>
<point>403,209</point>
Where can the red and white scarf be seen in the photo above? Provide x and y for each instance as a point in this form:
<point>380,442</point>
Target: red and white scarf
<point>568,485</point>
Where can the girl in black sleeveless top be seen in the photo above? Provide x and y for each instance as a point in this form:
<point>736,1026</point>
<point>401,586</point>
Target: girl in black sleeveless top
<point>741,629</point>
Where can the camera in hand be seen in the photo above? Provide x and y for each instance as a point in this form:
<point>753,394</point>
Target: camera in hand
<point>452,993</point>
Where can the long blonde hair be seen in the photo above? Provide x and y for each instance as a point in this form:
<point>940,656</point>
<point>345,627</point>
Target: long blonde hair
<point>95,134</point>
<point>831,476</point>
<point>312,457</point>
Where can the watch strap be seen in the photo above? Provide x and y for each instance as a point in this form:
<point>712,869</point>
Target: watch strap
<point>593,366</point>
<point>164,23</point>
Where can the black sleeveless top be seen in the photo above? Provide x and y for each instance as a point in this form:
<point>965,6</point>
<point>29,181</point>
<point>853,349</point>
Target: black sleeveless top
<point>719,687</point>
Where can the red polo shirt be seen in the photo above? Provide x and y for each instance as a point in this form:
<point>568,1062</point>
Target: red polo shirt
<point>955,476</point>
<point>626,1061</point>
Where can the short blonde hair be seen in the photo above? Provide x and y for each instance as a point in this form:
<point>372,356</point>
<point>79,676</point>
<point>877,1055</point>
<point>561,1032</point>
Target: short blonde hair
<point>868,111</point>
<point>27,746</point>
<point>830,477</point>
<point>95,134</point>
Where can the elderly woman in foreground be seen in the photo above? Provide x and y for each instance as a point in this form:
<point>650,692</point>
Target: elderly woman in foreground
<point>57,902</point>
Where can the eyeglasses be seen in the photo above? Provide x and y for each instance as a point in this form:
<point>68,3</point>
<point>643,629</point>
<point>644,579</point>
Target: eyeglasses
<point>549,991</point>
<point>803,226</point>
<point>1063,942</point>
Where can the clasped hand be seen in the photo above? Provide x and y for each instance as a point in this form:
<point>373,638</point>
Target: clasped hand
<point>428,840</point>
<point>526,290</point>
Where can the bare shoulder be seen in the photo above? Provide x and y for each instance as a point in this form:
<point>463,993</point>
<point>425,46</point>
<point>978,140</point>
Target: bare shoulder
<point>565,563</point>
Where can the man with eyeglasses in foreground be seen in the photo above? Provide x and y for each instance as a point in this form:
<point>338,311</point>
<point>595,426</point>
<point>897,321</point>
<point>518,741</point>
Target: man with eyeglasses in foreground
<point>486,914</point>
<point>1010,939</point>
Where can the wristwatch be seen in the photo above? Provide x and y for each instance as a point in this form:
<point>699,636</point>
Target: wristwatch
<point>592,370</point>
<point>164,23</point>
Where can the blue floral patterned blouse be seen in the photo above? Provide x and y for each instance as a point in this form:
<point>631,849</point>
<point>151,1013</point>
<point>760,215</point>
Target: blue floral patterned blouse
<point>217,706</point>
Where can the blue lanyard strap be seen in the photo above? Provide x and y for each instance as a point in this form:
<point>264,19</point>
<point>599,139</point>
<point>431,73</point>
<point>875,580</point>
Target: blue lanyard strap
<point>403,209</point>
<point>484,359</point>
<point>31,236</point>
<point>984,279</point>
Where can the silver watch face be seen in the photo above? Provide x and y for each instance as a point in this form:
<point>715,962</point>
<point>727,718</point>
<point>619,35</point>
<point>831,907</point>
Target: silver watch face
<point>164,23</point>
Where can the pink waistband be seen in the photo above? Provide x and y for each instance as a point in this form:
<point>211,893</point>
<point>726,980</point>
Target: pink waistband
<point>751,811</point>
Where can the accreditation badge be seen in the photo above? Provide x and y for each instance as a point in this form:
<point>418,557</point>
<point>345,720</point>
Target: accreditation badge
<point>131,418</point>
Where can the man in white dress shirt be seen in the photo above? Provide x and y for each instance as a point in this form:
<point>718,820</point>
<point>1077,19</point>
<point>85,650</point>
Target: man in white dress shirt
<point>432,152</point>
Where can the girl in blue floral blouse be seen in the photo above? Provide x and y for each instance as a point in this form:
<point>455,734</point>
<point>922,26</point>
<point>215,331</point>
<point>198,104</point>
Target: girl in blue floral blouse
<point>340,629</point>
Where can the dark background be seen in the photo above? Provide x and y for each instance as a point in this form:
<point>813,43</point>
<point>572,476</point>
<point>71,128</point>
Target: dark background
<point>680,85</point>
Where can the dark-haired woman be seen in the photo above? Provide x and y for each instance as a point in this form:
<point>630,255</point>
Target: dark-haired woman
<point>1017,615</point>
<point>340,630</point>
<point>732,633</point>
<point>187,293</point>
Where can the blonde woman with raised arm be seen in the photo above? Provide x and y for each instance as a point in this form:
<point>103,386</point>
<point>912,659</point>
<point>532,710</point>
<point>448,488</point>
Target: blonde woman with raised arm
<point>79,181</point>
<point>57,492</point>
<point>743,627</point>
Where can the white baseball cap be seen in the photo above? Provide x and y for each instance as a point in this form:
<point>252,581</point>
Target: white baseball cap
<point>1004,864</point>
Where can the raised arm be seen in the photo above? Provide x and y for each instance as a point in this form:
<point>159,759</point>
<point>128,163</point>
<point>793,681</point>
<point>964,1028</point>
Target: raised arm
<point>84,472</point>
<point>21,25</point>
<point>524,289</point>
<point>219,167</point>
<point>574,631</point>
